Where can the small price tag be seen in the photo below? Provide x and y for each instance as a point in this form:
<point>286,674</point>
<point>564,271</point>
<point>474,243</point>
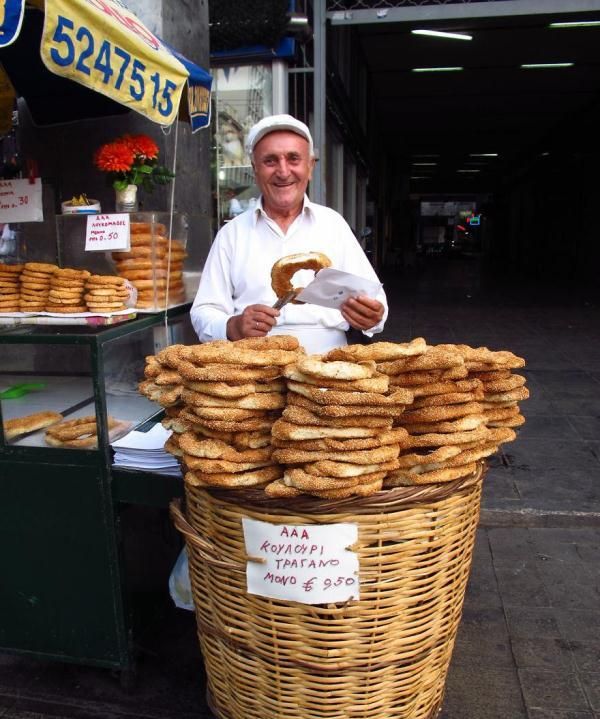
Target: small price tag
<point>107,232</point>
<point>304,563</point>
<point>21,201</point>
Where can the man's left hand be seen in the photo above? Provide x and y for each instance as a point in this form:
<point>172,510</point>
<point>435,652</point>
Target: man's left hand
<point>362,312</point>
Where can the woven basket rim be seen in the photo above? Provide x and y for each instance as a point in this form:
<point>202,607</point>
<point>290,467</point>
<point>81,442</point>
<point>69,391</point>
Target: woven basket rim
<point>388,500</point>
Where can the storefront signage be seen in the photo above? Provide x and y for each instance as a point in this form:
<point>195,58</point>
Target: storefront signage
<point>307,563</point>
<point>107,232</point>
<point>11,18</point>
<point>21,201</point>
<point>102,45</point>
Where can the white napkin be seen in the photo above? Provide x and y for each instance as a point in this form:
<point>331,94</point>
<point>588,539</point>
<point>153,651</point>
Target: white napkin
<point>331,288</point>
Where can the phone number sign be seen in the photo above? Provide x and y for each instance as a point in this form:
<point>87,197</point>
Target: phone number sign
<point>102,45</point>
<point>309,563</point>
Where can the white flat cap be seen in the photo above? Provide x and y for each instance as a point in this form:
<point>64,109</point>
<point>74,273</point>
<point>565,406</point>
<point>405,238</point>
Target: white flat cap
<point>272,123</point>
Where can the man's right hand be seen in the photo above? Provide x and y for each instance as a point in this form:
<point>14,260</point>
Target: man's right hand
<point>255,321</point>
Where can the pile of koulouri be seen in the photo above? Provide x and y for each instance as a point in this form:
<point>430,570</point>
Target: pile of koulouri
<point>358,420</point>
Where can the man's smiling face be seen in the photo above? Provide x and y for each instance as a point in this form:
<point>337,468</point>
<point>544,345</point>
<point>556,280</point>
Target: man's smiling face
<point>283,168</point>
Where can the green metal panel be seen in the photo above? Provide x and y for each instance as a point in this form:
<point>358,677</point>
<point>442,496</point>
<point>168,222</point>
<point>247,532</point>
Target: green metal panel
<point>60,573</point>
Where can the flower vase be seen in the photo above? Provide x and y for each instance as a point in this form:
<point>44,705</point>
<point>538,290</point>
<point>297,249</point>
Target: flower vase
<point>126,199</point>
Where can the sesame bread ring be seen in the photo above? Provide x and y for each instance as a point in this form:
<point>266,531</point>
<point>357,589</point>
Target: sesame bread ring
<point>492,375</point>
<point>9,299</point>
<point>403,477</point>
<point>254,424</point>
<point>332,396</point>
<point>40,267</point>
<point>63,272</point>
<point>438,414</point>
<point>145,240</point>
<point>301,479</point>
<point>303,417</point>
<point>516,421</point>
<point>123,266</point>
<point>449,428</point>
<point>212,466</point>
<point>226,373</point>
<point>29,423</point>
<point>54,300</point>
<point>73,428</point>
<point>226,390</point>
<point>10,282</point>
<point>105,280</point>
<point>346,410</point>
<point>142,251</point>
<point>504,385</point>
<point>147,228</point>
<point>315,367</point>
<point>149,284</point>
<point>217,449</point>
<point>230,480</point>
<point>144,274</point>
<point>36,286</point>
<point>421,377</point>
<point>280,490</point>
<point>434,358</point>
<point>365,456</point>
<point>67,284</point>
<point>227,413</point>
<point>232,354</point>
<point>10,268</point>
<point>35,276</point>
<point>345,470</point>
<point>378,351</point>
<point>439,400</point>
<point>370,484</point>
<point>9,308</point>
<point>291,431</point>
<point>425,390</point>
<point>379,383</point>
<point>285,268</point>
<point>258,400</point>
<point>500,413</point>
<point>68,295</point>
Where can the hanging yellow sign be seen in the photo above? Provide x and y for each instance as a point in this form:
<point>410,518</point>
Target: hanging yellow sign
<point>102,45</point>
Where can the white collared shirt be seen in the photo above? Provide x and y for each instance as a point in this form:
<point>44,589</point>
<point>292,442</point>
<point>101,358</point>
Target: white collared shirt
<point>237,272</point>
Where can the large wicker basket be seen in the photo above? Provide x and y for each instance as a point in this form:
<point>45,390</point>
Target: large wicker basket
<point>383,657</point>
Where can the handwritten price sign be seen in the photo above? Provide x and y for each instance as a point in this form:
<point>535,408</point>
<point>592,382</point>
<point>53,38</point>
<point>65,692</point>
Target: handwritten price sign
<point>107,232</point>
<point>304,563</point>
<point>21,201</point>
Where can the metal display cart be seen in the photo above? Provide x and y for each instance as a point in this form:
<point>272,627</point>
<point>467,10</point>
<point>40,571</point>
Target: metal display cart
<point>64,584</point>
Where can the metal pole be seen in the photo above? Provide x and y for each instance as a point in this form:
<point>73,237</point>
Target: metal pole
<point>318,186</point>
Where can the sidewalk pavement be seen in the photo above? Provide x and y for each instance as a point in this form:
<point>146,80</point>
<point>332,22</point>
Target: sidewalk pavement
<point>528,646</point>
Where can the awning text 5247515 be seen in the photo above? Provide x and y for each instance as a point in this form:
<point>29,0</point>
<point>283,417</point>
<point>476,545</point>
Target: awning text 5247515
<point>104,46</point>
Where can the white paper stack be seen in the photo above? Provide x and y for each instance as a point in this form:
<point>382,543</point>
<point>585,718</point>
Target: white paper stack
<point>145,451</point>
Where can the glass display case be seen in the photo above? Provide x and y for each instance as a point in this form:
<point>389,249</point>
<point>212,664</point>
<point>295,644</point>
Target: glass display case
<point>155,263</point>
<point>81,372</point>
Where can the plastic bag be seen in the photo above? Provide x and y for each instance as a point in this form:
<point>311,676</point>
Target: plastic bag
<point>180,588</point>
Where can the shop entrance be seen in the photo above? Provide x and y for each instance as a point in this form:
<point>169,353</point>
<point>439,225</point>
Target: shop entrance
<point>492,103</point>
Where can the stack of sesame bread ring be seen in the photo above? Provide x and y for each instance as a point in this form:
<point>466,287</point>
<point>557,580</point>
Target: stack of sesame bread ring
<point>35,281</point>
<point>105,293</point>
<point>221,401</point>
<point>67,290</point>
<point>154,265</point>
<point>10,294</point>
<point>355,421</point>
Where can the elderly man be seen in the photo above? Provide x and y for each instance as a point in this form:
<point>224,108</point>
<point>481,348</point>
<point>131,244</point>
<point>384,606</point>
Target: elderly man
<point>235,297</point>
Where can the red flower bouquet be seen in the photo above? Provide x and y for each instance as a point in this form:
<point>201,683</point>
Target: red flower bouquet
<point>132,160</point>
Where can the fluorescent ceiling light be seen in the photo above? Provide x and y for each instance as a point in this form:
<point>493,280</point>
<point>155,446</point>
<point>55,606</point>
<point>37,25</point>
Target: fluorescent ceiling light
<point>483,154</point>
<point>418,154</point>
<point>576,23</point>
<point>440,33</point>
<point>436,69</point>
<point>546,65</point>
<point>420,177</point>
<point>468,170</point>
<point>424,164</point>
